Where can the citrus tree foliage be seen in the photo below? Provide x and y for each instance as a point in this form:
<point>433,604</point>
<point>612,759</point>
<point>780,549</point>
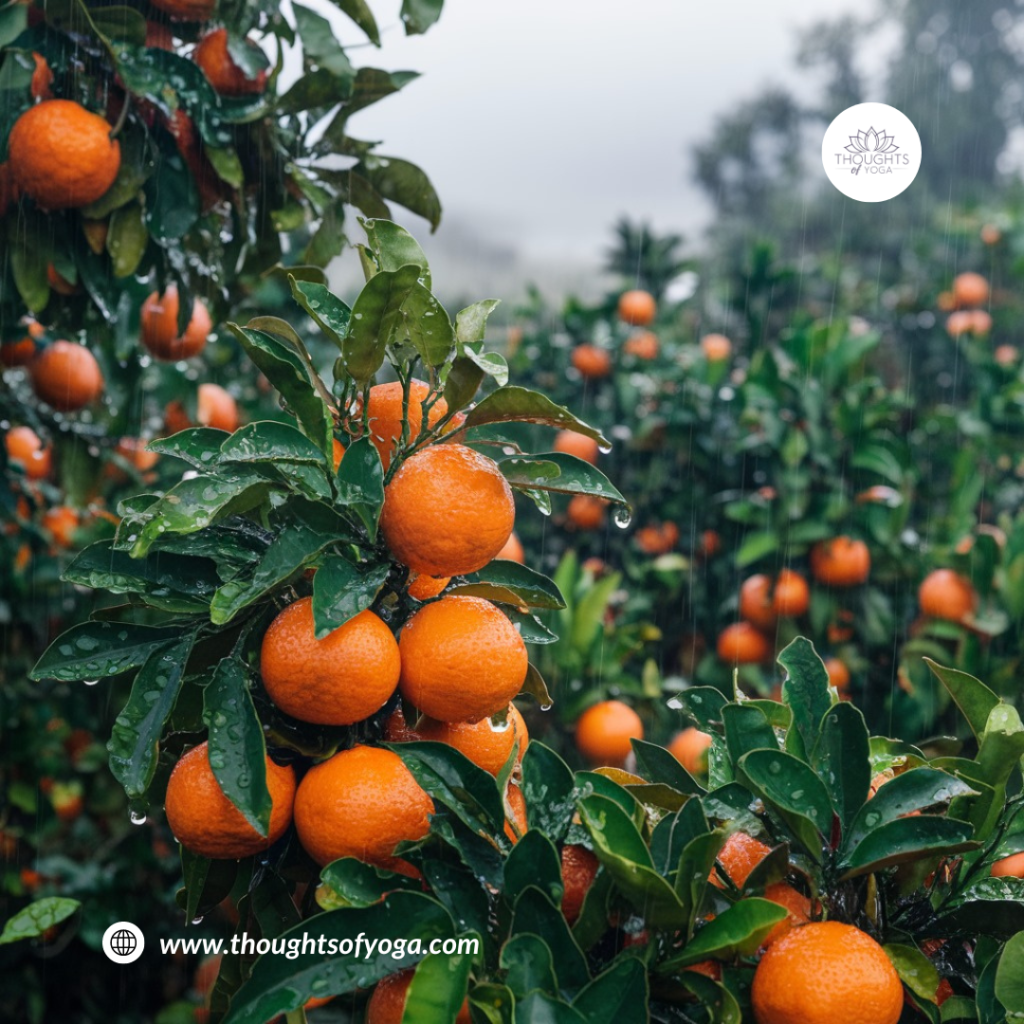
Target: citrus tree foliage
<point>214,190</point>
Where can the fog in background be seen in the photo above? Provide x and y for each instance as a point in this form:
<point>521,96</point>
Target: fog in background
<point>542,121</point>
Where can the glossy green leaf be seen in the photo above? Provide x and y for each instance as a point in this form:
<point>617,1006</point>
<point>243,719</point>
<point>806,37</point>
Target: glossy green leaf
<point>656,764</point>
<point>328,312</point>
<point>806,690</point>
<point>198,446</point>
<point>349,882</point>
<point>746,730</point>
<point>535,914</point>
<point>674,833</point>
<point>319,45</point>
<point>237,749</point>
<point>361,483</point>
<point>549,790</point>
<point>377,320</point>
<point>905,840</point>
<point>842,759</point>
<point>138,729</point>
<point>1009,977</point>
<point>994,906</point>
<point>512,404</point>
<point>533,861</point>
<point>393,248</point>
<point>271,441</point>
<point>438,989</point>
<point>916,971</point>
<point>738,931</point>
<point>92,650</point>
<point>618,996</point>
<point>342,590</point>
<point>974,699</point>
<point>419,15</point>
<point>359,11</point>
<point>38,917</point>
<point>399,180</point>
<point>573,476</point>
<point>531,587</point>
<point>530,965</point>
<point>127,239</point>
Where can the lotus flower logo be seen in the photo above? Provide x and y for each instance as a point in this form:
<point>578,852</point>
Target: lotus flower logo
<point>871,143</point>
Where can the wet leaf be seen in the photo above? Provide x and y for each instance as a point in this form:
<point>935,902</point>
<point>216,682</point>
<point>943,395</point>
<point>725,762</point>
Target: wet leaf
<point>393,248</point>
<point>127,239</point>
<point>353,883</point>
<point>92,650</point>
<point>329,313</point>
<point>342,590</point>
<point>38,917</point>
<point>361,483</point>
<point>515,404</point>
<point>438,988</point>
<point>419,15</point>
<point>530,965</point>
<point>618,996</point>
<point>535,914</point>
<point>548,789</point>
<point>738,931</point>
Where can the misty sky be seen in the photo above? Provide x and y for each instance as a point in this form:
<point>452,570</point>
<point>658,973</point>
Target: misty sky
<point>541,121</point>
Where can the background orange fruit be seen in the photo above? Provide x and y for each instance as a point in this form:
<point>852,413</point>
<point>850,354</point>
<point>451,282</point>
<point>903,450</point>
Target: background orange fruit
<point>842,562</point>
<point>361,803</point>
<point>579,868</point>
<point>462,660</point>
<point>25,449</point>
<point>838,674</point>
<point>742,644</point>
<point>1009,867</point>
<point>487,746</point>
<point>160,327</point>
<point>591,362</point>
<point>797,905</point>
<point>513,549</point>
<point>216,409</point>
<point>637,307</point>
<point>339,680</point>
<point>61,155</point>
<point>643,345</point>
<point>447,511</point>
<point>586,512</point>
<point>690,749</point>
<point>385,415</point>
<point>516,823</point>
<point>604,731</point>
<point>226,77</point>
<point>66,376</point>
<point>756,601</point>
<point>207,823</point>
<point>423,588</point>
<point>945,594</point>
<point>387,1004</point>
<point>970,289</point>
<point>62,522</point>
<point>740,855</point>
<point>715,347</point>
<point>571,443</point>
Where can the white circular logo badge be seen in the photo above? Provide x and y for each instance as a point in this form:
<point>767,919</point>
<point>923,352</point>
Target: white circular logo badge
<point>123,942</point>
<point>871,152</point>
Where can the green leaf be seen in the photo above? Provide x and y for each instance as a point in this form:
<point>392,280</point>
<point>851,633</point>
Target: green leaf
<point>342,590</point>
<point>127,239</point>
<point>353,883</point>
<point>438,989</point>
<point>319,44</point>
<point>916,971</point>
<point>805,690</point>
<point>361,483</point>
<point>842,760</point>
<point>1009,977</point>
<point>281,984</point>
<point>618,996</point>
<point>533,861</point>
<point>377,320</point>
<point>530,965</point>
<point>237,750</point>
<point>549,790</point>
<point>329,313</point>
<point>535,914</point>
<point>512,404</point>
<point>135,738</point>
<point>570,475</point>
<point>1002,744</point>
<point>705,705</point>
<point>747,729</point>
<point>991,906</point>
<point>92,650</point>
<point>226,162</point>
<point>530,587</point>
<point>905,840</point>
<point>755,547</point>
<point>198,446</point>
<point>738,931</point>
<point>540,1008</point>
<point>393,248</point>
<point>471,322</point>
<point>359,11</point>
<point>974,699</point>
<point>419,15</point>
<point>32,921</point>
<point>399,180</point>
<point>656,764</point>
<point>693,872</point>
<point>270,441</point>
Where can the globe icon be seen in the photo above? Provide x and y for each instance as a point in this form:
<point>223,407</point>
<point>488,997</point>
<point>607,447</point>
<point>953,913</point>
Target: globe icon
<point>122,942</point>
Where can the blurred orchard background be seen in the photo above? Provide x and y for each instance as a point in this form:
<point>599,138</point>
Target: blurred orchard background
<point>816,406</point>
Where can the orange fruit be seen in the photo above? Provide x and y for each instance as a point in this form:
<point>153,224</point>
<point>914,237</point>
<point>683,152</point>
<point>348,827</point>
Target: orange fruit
<point>961,322</point>
<point>586,512</point>
<point>756,602</point>
<point>690,749</point>
<point>66,376</point>
<point>58,282</point>
<point>447,511</point>
<point>657,540</point>
<point>62,522</point>
<point>945,594</point>
<point>26,450</point>
<point>715,347</point>
<point>797,905</point>
<point>591,362</point>
<point>643,345</point>
<point>579,868</point>
<point>516,809</point>
<point>423,588</point>
<point>842,562</point>
<point>339,680</point>
<point>42,79</point>
<point>791,596</point>
<point>981,323</point>
<point>637,308</point>
<point>387,1004</point>
<point>1009,867</point>
<point>462,660</point>
<point>709,968</point>
<point>17,353</point>
<point>217,409</point>
<point>337,453</point>
<point>385,415</point>
<point>361,803</point>
<point>513,549</point>
<point>740,855</point>
<point>742,644</point>
<point>133,450</point>
<point>824,973</point>
<point>226,77</point>
<point>838,674</point>
<point>604,731</point>
<point>710,543</point>
<point>991,235</point>
<point>1005,355</point>
<point>186,10</point>
<point>160,327</point>
<point>571,443</point>
<point>62,155</point>
<point>487,746</point>
<point>158,37</point>
<point>970,289</point>
<point>205,821</point>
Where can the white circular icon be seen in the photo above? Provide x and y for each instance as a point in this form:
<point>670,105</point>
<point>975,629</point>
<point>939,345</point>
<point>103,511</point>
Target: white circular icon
<point>871,152</point>
<point>123,942</point>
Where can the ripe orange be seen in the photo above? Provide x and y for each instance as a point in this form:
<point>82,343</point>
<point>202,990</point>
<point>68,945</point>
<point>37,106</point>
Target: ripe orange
<point>337,453</point>
<point>462,660</point>
<point>981,323</point>
<point>160,327</point>
<point>586,512</point>
<point>742,644</point>
<point>217,409</point>
<point>513,549</point>
<point>387,1004</point>
<point>361,803</point>
<point>26,450</point>
<point>339,680</point>
<point>842,562</point>
<point>710,544</point>
<point>791,596</point>
<point>42,79</point>
<point>637,308</point>
<point>604,731</point>
<point>385,415</point>
<point>579,868</point>
<point>133,450</point>
<point>187,10</point>
<point>158,37</point>
<point>945,594</point>
<point>226,77</point>
<point>823,973</point>
<point>756,602</point>
<point>643,345</point>
<point>838,674</point>
<point>485,745</point>
<point>66,376</point>
<point>991,235</point>
<point>62,522</point>
<point>58,282</point>
<point>1005,355</point>
<point>970,289</point>
<point>959,323</point>
<point>1009,867</point>
<point>447,511</point>
<point>740,855</point>
<point>715,347</point>
<point>690,749</point>
<point>571,443</point>
<point>591,362</point>
<point>423,588</point>
<point>516,810</point>
<point>798,908</point>
<point>62,155</point>
<point>18,353</point>
<point>657,540</point>
<point>205,822</point>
